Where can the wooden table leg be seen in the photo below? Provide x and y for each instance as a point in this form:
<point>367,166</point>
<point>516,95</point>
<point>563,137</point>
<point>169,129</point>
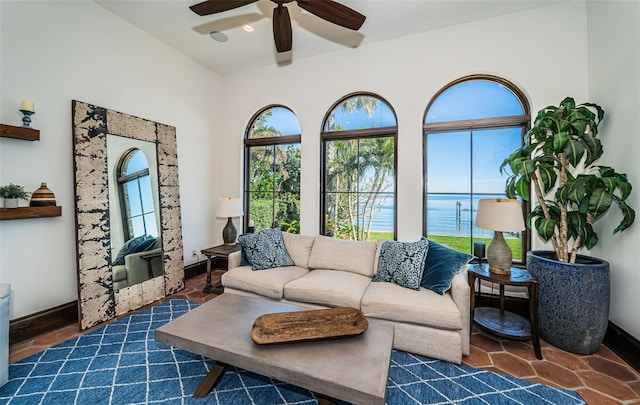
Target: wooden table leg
<point>533,318</point>
<point>210,380</point>
<point>208,288</point>
<point>472,300</point>
<point>324,400</point>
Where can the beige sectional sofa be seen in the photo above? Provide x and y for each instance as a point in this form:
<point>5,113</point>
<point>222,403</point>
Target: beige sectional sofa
<point>330,272</point>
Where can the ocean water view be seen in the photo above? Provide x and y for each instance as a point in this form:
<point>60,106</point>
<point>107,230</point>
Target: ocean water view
<point>448,214</point>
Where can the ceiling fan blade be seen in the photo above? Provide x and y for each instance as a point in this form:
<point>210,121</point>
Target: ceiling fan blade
<point>217,6</point>
<point>282,29</point>
<point>334,12</point>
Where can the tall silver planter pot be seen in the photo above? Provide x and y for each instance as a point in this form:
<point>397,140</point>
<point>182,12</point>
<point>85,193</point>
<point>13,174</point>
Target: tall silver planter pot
<point>573,300</point>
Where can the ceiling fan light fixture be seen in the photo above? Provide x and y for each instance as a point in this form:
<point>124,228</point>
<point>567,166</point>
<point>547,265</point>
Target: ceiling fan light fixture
<point>328,10</point>
<point>218,36</point>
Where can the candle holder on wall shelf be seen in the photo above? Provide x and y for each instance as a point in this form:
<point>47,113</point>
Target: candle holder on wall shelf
<point>26,120</point>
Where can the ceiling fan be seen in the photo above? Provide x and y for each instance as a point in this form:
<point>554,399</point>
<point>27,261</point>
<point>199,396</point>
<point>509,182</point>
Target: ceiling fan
<point>326,9</point>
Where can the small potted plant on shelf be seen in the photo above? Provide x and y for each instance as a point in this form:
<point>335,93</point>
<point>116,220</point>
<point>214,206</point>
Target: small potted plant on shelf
<point>572,192</point>
<point>12,193</point>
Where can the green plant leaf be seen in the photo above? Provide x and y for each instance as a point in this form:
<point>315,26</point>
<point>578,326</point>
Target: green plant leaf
<point>629,215</point>
<point>547,175</point>
<point>559,140</point>
<point>593,148</point>
<point>624,186</point>
<point>510,188</point>
<point>599,202</point>
<point>522,188</point>
<point>545,227</point>
<point>573,150</point>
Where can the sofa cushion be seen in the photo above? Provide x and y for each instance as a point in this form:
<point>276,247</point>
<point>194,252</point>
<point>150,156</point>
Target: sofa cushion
<point>402,263</point>
<point>333,288</point>
<point>298,247</point>
<point>345,255</point>
<point>265,249</point>
<point>424,307</point>
<point>441,265</point>
<point>269,283</point>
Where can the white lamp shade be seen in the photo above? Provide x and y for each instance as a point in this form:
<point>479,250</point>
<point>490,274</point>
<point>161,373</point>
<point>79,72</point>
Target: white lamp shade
<point>229,207</point>
<point>500,214</point>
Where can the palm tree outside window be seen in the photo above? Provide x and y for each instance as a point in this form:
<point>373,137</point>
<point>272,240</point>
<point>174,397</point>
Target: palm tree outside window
<point>470,127</point>
<point>272,170</point>
<point>358,185</point>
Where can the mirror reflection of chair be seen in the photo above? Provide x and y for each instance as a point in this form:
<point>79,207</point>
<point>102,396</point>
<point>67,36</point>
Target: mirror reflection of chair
<point>140,259</point>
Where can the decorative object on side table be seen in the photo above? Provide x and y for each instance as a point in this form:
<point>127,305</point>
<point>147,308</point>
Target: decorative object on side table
<point>497,320</point>
<point>27,108</point>
<point>42,197</point>
<point>229,207</point>
<point>499,215</point>
<point>11,194</point>
<point>572,192</point>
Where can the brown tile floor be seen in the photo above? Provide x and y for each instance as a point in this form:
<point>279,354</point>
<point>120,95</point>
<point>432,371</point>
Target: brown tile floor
<point>602,378</point>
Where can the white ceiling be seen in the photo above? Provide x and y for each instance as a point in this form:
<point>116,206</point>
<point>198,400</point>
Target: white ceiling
<point>172,22</point>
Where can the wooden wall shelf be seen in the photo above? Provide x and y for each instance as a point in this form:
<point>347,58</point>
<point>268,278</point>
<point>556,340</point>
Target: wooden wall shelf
<point>30,212</point>
<point>27,134</point>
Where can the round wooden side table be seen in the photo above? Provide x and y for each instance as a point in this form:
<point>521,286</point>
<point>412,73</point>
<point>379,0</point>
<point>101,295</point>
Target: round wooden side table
<point>498,321</point>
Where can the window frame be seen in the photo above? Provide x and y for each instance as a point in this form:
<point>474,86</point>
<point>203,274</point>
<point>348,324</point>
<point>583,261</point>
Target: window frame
<point>256,142</point>
<point>358,134</point>
<point>122,181</point>
<point>517,121</point>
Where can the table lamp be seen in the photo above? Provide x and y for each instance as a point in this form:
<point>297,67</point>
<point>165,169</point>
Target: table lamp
<point>499,215</point>
<point>229,207</point>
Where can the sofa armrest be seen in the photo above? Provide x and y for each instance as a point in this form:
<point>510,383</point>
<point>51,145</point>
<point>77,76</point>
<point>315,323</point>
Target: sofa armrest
<point>234,259</point>
<point>460,294</point>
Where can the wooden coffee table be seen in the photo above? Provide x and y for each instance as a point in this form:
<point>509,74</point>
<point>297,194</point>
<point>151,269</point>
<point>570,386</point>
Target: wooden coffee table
<point>353,369</point>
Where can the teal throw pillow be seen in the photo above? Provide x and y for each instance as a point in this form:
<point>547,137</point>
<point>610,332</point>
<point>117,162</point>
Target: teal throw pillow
<point>265,249</point>
<point>441,265</point>
<point>402,263</point>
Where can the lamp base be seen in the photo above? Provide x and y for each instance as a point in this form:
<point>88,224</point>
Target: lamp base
<point>499,255</point>
<point>229,233</point>
<point>500,272</point>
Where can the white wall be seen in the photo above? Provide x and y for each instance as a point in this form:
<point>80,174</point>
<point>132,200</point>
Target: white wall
<point>614,84</point>
<point>52,53</point>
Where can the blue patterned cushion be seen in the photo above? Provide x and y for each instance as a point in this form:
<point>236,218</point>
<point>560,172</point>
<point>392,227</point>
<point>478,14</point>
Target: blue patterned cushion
<point>402,263</point>
<point>137,244</point>
<point>265,249</point>
<point>441,265</point>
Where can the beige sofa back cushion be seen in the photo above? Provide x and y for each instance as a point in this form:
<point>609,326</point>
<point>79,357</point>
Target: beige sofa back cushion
<point>298,247</point>
<point>346,255</point>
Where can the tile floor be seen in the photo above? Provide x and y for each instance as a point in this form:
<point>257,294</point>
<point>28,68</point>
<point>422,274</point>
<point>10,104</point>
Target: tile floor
<point>601,379</point>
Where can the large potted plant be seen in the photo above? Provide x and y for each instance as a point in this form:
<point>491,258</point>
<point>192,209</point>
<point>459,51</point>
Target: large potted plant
<point>558,160</point>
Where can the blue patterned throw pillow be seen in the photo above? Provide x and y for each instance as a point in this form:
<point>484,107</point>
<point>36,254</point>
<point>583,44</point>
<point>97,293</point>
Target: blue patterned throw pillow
<point>402,263</point>
<point>138,244</point>
<point>441,265</point>
<point>265,249</point>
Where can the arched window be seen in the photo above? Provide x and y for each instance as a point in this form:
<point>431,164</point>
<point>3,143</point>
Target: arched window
<point>470,127</point>
<point>358,185</point>
<point>272,170</point>
<point>136,196</point>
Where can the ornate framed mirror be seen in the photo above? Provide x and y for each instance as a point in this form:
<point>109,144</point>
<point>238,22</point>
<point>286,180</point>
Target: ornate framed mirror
<point>98,301</point>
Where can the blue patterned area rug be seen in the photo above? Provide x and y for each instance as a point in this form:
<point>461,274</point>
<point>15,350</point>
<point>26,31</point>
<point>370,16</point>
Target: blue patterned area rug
<point>121,363</point>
